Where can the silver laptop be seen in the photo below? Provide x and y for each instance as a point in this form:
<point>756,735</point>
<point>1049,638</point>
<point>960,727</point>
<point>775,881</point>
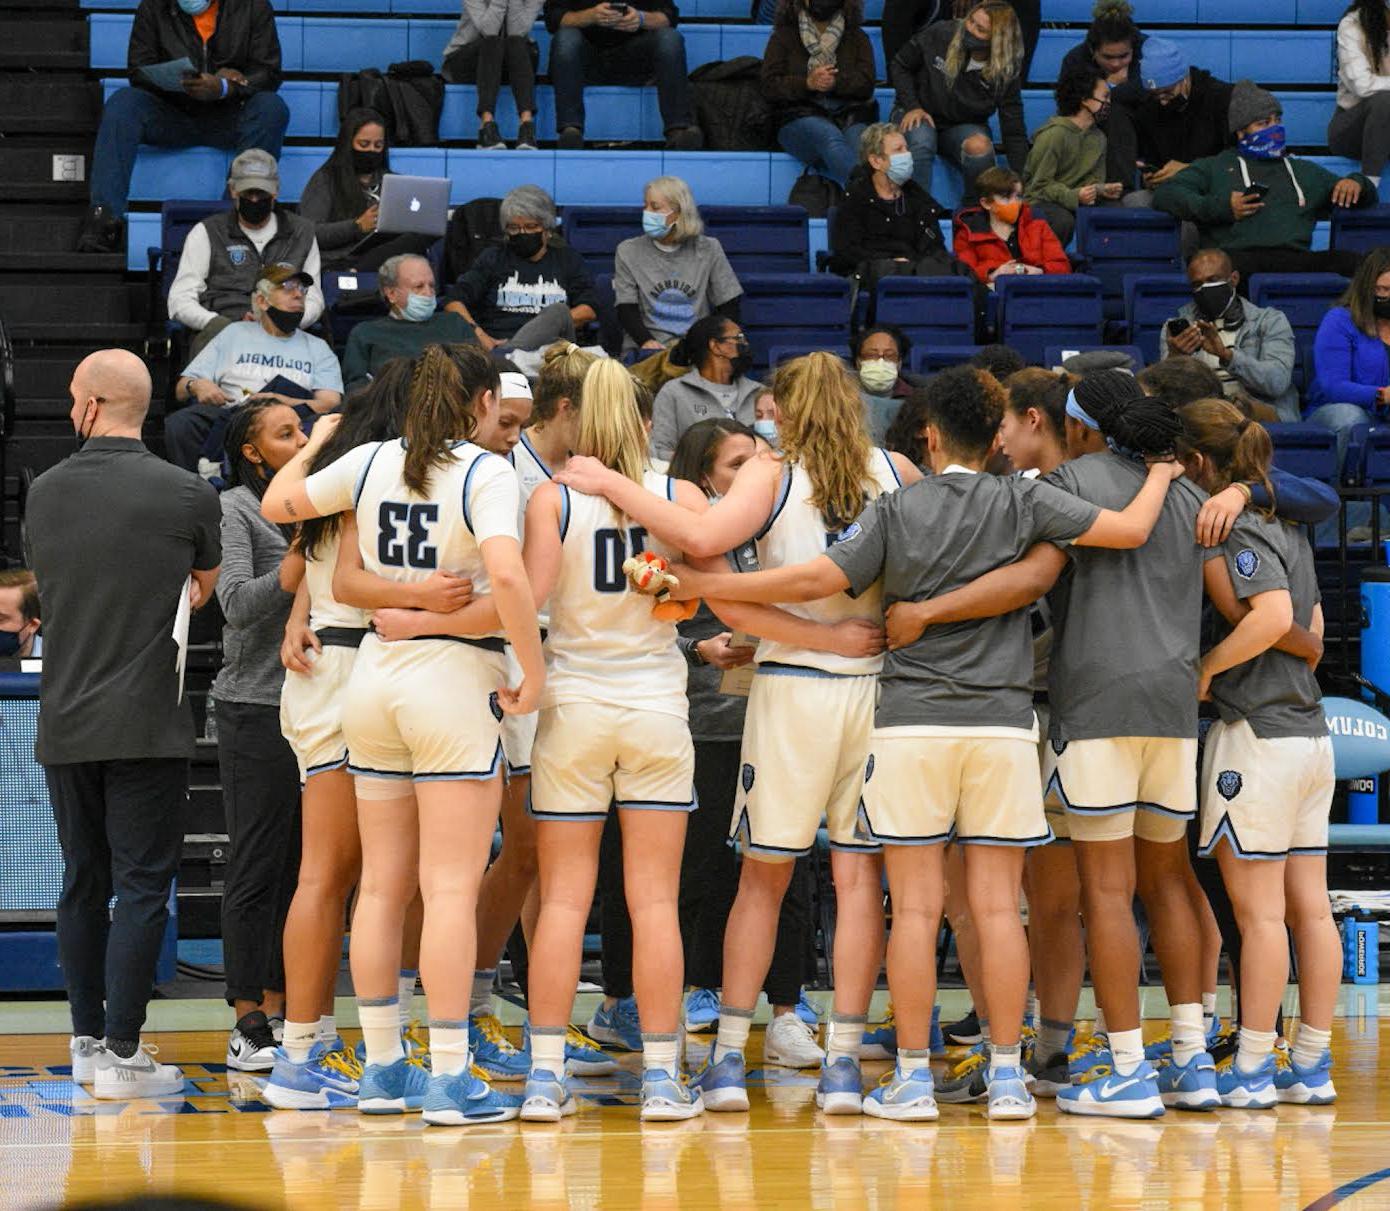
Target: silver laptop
<point>413,205</point>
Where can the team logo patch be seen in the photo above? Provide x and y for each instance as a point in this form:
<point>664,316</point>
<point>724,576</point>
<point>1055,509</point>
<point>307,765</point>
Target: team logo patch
<point>238,254</point>
<point>1058,746</point>
<point>1247,563</point>
<point>1228,784</point>
<point>747,777</point>
<point>869,769</point>
<point>494,706</point>
<point>853,530</point>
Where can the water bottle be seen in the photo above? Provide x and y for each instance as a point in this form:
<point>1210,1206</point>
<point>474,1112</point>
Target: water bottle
<point>1361,948</point>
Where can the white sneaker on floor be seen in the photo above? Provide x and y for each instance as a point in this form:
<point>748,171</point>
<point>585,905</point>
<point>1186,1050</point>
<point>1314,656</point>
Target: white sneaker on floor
<point>136,1076</point>
<point>87,1055</point>
<point>790,1043</point>
<point>251,1045</point>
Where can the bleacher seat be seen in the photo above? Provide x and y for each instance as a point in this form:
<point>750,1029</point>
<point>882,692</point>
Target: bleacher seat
<point>928,359</point>
<point>780,354</point>
<point>1374,469</point>
<point>1055,355</point>
<point>1306,450</point>
<point>931,311</point>
<point>1151,300</point>
<point>177,217</point>
<point>1303,298</point>
<point>1115,241</point>
<point>794,309</point>
<point>1360,230</point>
<point>1049,309</point>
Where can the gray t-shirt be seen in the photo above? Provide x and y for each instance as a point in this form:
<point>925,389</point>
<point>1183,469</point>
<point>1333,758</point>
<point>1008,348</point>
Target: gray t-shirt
<point>673,288</point>
<point>937,535</point>
<point>1276,693</point>
<point>1127,624</point>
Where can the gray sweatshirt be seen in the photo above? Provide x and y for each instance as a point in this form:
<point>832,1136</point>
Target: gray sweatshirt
<point>255,606</point>
<point>692,397</point>
<point>488,18</point>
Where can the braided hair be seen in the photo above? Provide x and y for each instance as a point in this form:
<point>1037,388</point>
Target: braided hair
<point>1132,422</point>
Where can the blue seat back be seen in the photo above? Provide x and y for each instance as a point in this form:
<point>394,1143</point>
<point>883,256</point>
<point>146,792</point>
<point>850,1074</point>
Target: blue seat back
<point>596,231</point>
<point>1375,459</point>
<point>1113,242</point>
<point>177,217</point>
<point>1306,450</point>
<point>782,309</point>
<point>1048,309</point>
<point>779,354</point>
<point>928,359</point>
<point>1151,300</point>
<point>1303,297</point>
<point>931,311</point>
<point>1360,230</point>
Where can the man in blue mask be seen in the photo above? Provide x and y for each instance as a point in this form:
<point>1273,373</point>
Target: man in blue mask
<point>1256,201</point>
<point>225,97</point>
<point>19,615</point>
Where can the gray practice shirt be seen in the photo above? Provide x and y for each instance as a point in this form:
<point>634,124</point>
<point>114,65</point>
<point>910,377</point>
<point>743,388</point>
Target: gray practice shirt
<point>1276,693</point>
<point>1127,624</point>
<point>113,532</point>
<point>674,287</point>
<point>937,535</point>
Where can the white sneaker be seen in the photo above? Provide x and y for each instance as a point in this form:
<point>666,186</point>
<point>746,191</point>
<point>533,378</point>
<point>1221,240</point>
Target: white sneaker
<point>791,1044</point>
<point>251,1045</point>
<point>87,1055</point>
<point>137,1076</point>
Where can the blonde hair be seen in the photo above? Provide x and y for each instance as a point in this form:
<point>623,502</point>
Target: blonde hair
<point>610,428</point>
<point>820,419</point>
<point>874,137</point>
<point>675,192</point>
<point>561,377</point>
<point>1005,45</point>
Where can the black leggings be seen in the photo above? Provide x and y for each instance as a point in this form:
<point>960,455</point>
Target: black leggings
<point>489,61</point>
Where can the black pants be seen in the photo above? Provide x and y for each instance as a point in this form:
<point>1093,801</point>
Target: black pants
<point>1292,260</point>
<point>260,792</point>
<point>489,61</point>
<point>120,825</point>
<point>376,256</point>
<point>1362,133</point>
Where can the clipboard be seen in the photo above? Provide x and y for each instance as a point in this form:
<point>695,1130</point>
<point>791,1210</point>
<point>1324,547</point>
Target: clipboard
<point>168,76</point>
<point>183,615</point>
<point>738,683</point>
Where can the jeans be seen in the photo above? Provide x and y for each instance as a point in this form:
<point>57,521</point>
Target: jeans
<point>551,324</point>
<point>1362,133</point>
<point>186,431</point>
<point>654,54</point>
<point>818,143</point>
<point>925,141</point>
<point>120,826</point>
<point>489,61</point>
<point>260,792</point>
<point>1058,217</point>
<point>133,116</point>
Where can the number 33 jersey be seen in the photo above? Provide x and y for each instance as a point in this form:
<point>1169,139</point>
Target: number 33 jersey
<point>603,644</point>
<point>403,537</point>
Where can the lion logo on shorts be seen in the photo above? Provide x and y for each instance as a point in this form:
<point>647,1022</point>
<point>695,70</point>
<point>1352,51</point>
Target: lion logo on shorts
<point>869,769</point>
<point>494,706</point>
<point>747,777</point>
<point>1247,563</point>
<point>1228,784</point>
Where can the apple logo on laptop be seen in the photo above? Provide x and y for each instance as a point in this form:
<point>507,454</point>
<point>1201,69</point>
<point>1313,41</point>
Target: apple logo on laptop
<point>414,205</point>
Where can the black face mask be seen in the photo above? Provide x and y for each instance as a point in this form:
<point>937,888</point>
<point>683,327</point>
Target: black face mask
<point>1380,308</point>
<point>973,44</point>
<point>364,162</point>
<point>525,244</point>
<point>1213,299</point>
<point>255,209</point>
<point>824,10</point>
<point>286,321</point>
<point>741,364</point>
<point>80,438</point>
<point>1102,114</point>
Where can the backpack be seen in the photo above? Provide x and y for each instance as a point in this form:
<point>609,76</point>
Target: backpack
<point>815,194</point>
<point>729,105</point>
<point>472,227</point>
<point>409,97</point>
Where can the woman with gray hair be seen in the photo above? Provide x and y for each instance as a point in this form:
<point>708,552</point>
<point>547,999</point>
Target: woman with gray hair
<point>529,291</point>
<point>672,274</point>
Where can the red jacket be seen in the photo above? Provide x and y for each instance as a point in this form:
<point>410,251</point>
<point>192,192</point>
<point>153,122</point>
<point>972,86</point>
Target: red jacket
<point>978,246</point>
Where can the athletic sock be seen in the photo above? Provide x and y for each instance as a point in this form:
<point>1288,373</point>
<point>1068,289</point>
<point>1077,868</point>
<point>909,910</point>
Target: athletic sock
<point>122,1049</point>
<point>548,1050</point>
<point>1127,1048</point>
<point>381,1029</point>
<point>405,992</point>
<point>734,1025</point>
<point>1004,1057</point>
<point>448,1048</point>
<point>1032,1012</point>
<point>1052,1039</point>
<point>481,1000</point>
<point>328,1028</point>
<point>1208,1011</point>
<point>1189,1039</point>
<point>845,1037</point>
<point>984,1033</point>
<point>299,1038</point>
<point>1098,1027</point>
<point>910,1060</point>
<point>1310,1045</point>
<point>661,1052</point>
<point>1253,1048</point>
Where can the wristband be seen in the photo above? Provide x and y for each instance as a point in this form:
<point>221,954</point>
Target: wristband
<point>641,19</point>
<point>224,84</point>
<point>1244,490</point>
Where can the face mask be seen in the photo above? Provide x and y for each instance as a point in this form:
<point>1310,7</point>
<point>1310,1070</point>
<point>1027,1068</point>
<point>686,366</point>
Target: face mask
<point>899,167</point>
<point>878,375</point>
<point>655,224</point>
<point>286,321</point>
<point>1007,212</point>
<point>823,10</point>
<point>1102,114</point>
<point>1266,144</point>
<point>10,642</point>
<point>255,210</point>
<point>195,8</point>
<point>418,308</point>
<point>766,429</point>
<point>525,244</point>
<point>364,162</point>
<point>973,44</point>
<point>741,364</point>
<point>1381,309</point>
<point>80,438</point>
<point>1212,299</point>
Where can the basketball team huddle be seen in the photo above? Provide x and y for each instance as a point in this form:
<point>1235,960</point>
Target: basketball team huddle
<point>978,684</point>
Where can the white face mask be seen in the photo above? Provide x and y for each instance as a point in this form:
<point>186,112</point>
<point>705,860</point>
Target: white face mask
<point>878,375</point>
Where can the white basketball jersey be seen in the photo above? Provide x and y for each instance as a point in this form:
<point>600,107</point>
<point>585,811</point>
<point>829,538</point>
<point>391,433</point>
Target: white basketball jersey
<point>796,533</point>
<point>531,471</point>
<point>325,610</point>
<point>603,644</point>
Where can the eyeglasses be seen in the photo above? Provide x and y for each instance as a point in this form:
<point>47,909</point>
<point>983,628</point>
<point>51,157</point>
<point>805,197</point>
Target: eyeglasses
<point>295,287</point>
<point>738,339</point>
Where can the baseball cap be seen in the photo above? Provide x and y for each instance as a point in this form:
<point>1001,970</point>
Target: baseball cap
<point>254,169</point>
<point>278,275</point>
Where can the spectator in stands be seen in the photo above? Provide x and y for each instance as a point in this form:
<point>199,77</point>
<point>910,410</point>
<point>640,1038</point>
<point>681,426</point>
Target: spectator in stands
<point>672,274</point>
<point>229,102</point>
<point>717,383</point>
<point>341,197</point>
<point>949,80</point>
<point>1257,202</point>
<point>492,43</point>
<point>818,76</point>
<point>1351,379</point>
<point>114,537</point>
<point>1180,380</point>
<point>407,284</point>
<point>880,361</point>
<point>1360,125</point>
<point>1114,44</point>
<point>223,255</point>
<point>1250,348</point>
<point>902,19</point>
<point>268,356</point>
<point>1002,236</point>
<point>529,291</point>
<point>634,42</point>
<point>888,224</point>
<point>1066,167</point>
<point>19,615</point>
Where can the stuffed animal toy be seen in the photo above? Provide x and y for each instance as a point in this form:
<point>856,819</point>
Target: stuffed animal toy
<point>650,575</point>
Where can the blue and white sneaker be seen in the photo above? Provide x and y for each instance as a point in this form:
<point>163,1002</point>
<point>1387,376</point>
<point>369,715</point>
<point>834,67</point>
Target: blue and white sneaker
<point>667,1099</point>
<point>807,1012</point>
<point>841,1087</point>
<point>1114,1095</point>
<point>1306,1086</point>
<point>462,1099</point>
<point>1162,1047</point>
<point>617,1027</point>
<point>493,1053</point>
<point>1247,1090</point>
<point>701,1010</point>
<point>324,1081</point>
<point>547,1098</point>
<point>881,1038</point>
<point>582,1056</point>
<point>1094,1053</point>
<point>906,1097</point>
<point>723,1086</point>
<point>396,1088</point>
<point>1008,1094</point>
<point>1190,1086</point>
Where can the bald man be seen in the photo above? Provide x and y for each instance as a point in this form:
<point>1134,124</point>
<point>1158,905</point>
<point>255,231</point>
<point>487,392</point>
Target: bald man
<point>116,538</point>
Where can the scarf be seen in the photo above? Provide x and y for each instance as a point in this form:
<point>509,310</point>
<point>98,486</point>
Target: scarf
<point>820,45</point>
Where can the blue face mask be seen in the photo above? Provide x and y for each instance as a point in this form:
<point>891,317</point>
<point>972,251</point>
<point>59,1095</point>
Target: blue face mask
<point>195,8</point>
<point>766,429</point>
<point>1266,144</point>
<point>655,224</point>
<point>899,167</point>
<point>418,308</point>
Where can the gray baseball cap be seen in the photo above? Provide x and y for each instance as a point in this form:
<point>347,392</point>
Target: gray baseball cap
<point>254,169</point>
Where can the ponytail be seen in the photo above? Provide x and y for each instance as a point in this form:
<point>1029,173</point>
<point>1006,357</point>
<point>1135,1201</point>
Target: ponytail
<point>1236,448</point>
<point>610,427</point>
<point>562,377</point>
<point>444,385</point>
<point>1132,422</point>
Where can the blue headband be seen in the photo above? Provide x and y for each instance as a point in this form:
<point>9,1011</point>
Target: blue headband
<point>1078,413</point>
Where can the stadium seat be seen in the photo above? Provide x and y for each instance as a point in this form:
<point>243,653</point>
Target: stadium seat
<point>1303,297</point>
<point>1306,450</point>
<point>928,359</point>
<point>1114,241</point>
<point>931,311</point>
<point>1049,309</point>
<point>1360,230</point>
<point>1055,355</point>
<point>1151,300</point>
<point>794,309</point>
<point>780,354</point>
<point>1374,468</point>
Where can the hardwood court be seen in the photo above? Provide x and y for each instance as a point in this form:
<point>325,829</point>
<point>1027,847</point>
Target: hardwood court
<point>58,1145</point>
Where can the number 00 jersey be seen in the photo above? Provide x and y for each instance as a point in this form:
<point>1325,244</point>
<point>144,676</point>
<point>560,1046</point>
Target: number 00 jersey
<point>603,644</point>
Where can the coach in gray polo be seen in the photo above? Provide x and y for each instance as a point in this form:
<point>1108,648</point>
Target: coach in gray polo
<point>114,533</point>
